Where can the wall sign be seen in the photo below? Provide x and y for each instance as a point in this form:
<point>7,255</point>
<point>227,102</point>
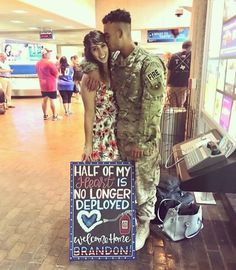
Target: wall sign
<point>22,53</point>
<point>168,35</point>
<point>228,43</point>
<point>102,215</point>
<point>46,34</point>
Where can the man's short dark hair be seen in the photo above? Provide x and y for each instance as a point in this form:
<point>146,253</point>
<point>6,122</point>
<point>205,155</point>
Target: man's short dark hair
<point>187,44</point>
<point>118,15</point>
<point>74,57</point>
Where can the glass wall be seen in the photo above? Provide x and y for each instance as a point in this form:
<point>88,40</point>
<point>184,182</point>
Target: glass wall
<point>219,103</point>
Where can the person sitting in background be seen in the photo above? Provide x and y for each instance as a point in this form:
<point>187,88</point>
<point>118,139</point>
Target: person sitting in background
<point>100,110</point>
<point>5,81</point>
<point>65,84</point>
<point>47,74</point>
<point>178,75</point>
<point>2,102</point>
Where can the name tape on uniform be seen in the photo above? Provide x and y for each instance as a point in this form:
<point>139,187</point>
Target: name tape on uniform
<point>153,75</point>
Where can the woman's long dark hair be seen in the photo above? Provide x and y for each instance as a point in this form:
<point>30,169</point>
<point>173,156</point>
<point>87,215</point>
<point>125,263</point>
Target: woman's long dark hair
<point>95,37</point>
<point>63,64</point>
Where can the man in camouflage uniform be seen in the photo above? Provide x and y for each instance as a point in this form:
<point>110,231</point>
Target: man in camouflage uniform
<point>137,79</point>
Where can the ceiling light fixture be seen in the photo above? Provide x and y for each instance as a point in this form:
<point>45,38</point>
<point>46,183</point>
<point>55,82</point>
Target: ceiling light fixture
<point>14,21</point>
<point>47,20</point>
<point>33,28</point>
<point>19,11</point>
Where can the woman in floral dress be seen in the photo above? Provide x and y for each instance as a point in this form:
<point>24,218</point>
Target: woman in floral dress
<point>99,106</point>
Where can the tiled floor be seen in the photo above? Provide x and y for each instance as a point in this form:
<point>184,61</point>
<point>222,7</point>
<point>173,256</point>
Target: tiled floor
<point>34,203</point>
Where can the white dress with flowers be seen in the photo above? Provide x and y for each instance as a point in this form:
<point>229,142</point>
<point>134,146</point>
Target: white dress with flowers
<point>104,140</point>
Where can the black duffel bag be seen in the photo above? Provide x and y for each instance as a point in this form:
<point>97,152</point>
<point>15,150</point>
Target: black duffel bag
<point>169,188</point>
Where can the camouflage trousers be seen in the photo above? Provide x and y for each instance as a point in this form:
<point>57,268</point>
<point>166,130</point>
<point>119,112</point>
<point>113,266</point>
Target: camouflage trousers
<point>176,96</point>
<point>147,174</point>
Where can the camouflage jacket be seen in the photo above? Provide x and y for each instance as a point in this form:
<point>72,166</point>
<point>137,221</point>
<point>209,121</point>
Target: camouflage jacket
<point>138,83</point>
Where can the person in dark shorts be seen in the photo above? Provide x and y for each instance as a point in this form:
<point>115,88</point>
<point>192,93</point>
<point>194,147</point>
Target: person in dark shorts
<point>47,74</point>
<point>52,95</point>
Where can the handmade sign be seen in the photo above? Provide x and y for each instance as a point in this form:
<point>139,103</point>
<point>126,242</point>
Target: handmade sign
<point>102,214</point>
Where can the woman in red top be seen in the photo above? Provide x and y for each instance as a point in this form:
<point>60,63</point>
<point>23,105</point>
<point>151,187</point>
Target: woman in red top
<point>47,74</point>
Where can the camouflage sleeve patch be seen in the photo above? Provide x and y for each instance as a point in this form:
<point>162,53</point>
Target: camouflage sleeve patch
<point>153,76</point>
<point>88,66</point>
<point>152,101</point>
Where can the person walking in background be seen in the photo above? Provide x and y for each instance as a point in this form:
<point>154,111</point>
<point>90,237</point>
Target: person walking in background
<point>178,75</point>
<point>5,80</point>
<point>77,72</point>
<point>166,57</point>
<point>137,78</point>
<point>47,74</point>
<point>99,106</point>
<point>65,84</point>
<point>57,63</point>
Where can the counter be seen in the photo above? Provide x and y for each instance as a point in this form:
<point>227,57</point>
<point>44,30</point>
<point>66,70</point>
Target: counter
<point>25,85</point>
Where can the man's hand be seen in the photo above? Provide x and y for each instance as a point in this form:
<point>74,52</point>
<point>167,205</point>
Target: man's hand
<point>136,152</point>
<point>92,80</point>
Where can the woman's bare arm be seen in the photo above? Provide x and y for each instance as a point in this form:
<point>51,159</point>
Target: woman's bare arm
<point>88,98</point>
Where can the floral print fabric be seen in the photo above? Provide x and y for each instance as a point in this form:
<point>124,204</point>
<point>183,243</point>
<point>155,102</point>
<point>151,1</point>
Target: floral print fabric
<point>104,140</point>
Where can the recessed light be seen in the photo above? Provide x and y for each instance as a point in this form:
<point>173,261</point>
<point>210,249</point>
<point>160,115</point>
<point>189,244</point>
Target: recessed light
<point>33,28</point>
<point>19,11</point>
<point>47,20</point>
<point>14,21</point>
